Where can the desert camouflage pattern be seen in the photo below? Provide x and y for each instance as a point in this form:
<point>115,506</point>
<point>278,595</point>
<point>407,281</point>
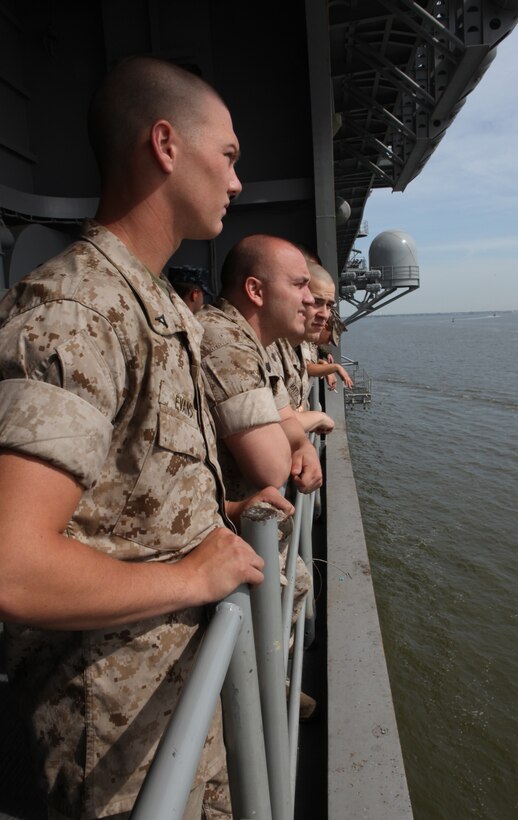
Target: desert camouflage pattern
<point>243,386</point>
<point>293,369</point>
<point>309,352</point>
<point>100,377</point>
<point>210,802</point>
<point>337,326</point>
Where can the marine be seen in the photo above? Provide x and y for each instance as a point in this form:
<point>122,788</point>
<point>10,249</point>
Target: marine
<point>113,512</point>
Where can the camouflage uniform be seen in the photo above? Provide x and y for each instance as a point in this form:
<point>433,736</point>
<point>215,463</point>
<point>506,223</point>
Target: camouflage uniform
<point>309,352</point>
<point>245,388</point>
<point>293,368</point>
<point>100,363</point>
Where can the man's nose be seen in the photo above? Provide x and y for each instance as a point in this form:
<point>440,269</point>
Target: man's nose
<point>308,298</point>
<point>235,187</point>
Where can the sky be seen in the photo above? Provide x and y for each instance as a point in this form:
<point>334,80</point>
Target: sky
<point>462,209</point>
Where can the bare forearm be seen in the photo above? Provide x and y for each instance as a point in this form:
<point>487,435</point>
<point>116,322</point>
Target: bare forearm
<point>262,454</point>
<point>49,580</point>
<point>59,583</point>
<point>316,420</point>
<point>295,433</point>
<point>305,466</point>
<point>321,368</point>
<point>329,368</point>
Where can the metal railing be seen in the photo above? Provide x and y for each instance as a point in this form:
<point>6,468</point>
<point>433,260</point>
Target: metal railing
<point>361,390</point>
<point>245,655</point>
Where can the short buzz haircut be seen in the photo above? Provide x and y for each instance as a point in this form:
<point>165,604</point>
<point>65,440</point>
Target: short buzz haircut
<point>251,256</point>
<point>241,261</point>
<point>139,91</point>
<point>319,273</point>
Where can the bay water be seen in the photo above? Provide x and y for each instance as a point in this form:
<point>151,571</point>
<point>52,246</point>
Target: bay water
<point>435,457</point>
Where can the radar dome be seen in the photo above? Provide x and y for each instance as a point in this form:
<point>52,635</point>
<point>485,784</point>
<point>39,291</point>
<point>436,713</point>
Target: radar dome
<point>395,254</point>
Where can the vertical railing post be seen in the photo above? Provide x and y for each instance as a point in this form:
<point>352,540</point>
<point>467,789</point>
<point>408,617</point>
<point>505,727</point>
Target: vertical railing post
<point>165,791</point>
<point>259,528</point>
<point>314,404</point>
<point>243,723</point>
<point>306,552</point>
<point>294,698</point>
<point>291,569</point>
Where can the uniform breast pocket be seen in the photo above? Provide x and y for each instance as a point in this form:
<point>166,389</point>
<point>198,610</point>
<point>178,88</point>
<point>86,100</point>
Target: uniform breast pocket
<point>160,512</point>
<point>180,434</point>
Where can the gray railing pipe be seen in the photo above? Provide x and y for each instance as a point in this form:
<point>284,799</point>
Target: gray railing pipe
<point>306,552</point>
<point>291,569</point>
<point>314,404</point>
<point>294,698</point>
<point>243,723</point>
<point>306,543</point>
<point>165,791</point>
<point>259,528</point>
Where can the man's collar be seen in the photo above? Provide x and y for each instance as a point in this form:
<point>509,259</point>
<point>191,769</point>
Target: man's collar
<point>164,309</point>
<point>233,313</point>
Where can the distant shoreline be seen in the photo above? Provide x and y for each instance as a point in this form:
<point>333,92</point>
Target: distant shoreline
<point>379,315</point>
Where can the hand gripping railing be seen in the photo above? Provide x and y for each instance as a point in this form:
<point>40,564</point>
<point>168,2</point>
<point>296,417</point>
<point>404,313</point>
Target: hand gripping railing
<point>246,646</point>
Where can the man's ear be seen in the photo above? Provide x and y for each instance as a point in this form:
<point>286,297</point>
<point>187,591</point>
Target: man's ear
<point>254,289</point>
<point>163,144</point>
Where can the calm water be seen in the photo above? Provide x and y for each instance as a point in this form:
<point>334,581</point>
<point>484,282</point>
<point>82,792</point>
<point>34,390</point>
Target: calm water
<point>436,463</point>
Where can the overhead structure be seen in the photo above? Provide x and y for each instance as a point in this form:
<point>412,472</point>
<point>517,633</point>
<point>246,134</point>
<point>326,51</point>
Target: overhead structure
<point>349,96</point>
<point>400,72</point>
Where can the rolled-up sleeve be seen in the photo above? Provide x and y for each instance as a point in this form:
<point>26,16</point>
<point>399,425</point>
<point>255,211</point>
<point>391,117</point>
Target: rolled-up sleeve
<point>247,410</point>
<point>241,392</point>
<point>49,423</point>
<point>61,387</point>
<point>234,369</point>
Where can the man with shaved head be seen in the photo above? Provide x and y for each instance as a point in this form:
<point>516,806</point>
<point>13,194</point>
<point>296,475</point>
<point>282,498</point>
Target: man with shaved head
<point>292,356</point>
<point>264,296</point>
<point>300,360</point>
<point>115,533</point>
<point>319,328</point>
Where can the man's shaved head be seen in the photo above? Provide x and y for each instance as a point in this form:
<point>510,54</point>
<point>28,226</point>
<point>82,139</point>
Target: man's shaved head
<point>138,92</point>
<point>320,275</point>
<point>252,256</point>
<point>323,288</point>
<point>267,280</point>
